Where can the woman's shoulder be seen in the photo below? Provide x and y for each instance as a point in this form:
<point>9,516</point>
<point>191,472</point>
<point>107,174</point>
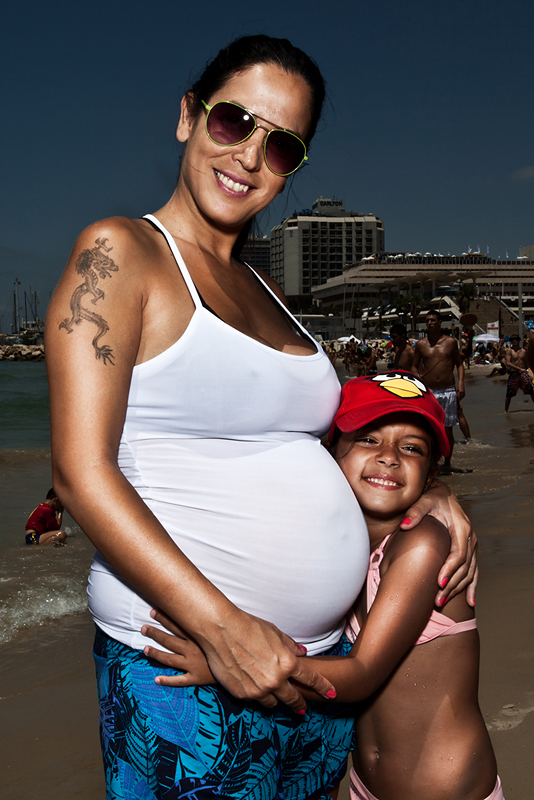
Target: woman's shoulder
<point>117,233</point>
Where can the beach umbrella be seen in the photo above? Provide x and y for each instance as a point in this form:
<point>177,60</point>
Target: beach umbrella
<point>486,337</point>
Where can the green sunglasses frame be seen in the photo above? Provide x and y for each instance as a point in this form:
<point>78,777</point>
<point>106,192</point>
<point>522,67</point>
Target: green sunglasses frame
<point>255,117</point>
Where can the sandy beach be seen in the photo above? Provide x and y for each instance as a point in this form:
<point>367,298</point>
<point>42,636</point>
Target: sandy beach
<point>49,734</point>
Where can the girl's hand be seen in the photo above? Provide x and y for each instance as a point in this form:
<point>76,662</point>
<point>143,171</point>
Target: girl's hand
<point>460,570</point>
<point>186,654</point>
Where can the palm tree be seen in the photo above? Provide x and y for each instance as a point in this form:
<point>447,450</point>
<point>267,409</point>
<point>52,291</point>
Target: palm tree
<point>402,304</point>
<point>415,306</point>
<point>356,310</point>
<point>464,294</point>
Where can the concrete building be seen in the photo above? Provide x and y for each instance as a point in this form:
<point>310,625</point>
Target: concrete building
<point>316,244</point>
<point>373,285</point>
<point>257,253</point>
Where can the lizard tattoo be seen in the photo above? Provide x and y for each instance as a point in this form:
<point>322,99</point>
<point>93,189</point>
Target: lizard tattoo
<point>92,264</point>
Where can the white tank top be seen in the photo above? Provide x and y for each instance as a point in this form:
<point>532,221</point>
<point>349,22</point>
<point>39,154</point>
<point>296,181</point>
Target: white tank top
<point>220,441</point>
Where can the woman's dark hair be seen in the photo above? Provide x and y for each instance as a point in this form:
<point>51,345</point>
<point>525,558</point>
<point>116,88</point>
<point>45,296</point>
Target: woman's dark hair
<point>248,51</point>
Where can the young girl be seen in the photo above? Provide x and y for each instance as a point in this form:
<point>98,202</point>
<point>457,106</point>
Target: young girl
<point>419,731</point>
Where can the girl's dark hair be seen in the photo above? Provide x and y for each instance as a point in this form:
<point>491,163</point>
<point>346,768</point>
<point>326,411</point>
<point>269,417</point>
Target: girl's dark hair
<point>248,51</point>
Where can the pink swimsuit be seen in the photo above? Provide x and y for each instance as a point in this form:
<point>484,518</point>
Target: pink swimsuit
<point>438,625</point>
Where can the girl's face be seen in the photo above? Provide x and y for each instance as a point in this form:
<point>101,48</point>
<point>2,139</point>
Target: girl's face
<point>387,464</point>
<point>229,184</point>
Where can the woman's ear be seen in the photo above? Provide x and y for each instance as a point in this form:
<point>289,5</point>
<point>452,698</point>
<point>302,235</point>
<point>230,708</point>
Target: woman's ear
<point>185,124</point>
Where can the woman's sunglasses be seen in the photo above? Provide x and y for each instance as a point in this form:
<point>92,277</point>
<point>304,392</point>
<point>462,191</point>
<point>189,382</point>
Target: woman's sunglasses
<point>229,124</point>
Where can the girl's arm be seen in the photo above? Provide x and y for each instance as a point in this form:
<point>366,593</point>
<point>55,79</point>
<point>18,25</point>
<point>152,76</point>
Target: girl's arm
<point>94,332</point>
<point>397,617</point>
<point>460,570</point>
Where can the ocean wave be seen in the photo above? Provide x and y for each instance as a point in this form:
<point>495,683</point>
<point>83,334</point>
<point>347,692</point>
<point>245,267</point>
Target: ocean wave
<point>32,607</point>
<point>41,584</point>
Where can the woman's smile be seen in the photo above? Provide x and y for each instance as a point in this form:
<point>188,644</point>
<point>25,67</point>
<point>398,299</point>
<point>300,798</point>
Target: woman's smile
<point>232,184</point>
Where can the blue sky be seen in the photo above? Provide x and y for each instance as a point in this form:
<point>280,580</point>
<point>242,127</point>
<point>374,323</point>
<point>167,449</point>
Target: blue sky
<point>429,124</point>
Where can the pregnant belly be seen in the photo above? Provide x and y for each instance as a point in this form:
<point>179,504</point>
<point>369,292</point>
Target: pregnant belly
<point>274,525</point>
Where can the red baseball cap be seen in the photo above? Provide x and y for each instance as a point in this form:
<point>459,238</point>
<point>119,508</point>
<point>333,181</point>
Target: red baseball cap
<point>365,399</point>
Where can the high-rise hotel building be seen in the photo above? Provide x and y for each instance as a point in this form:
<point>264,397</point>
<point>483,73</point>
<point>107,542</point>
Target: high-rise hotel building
<point>314,245</point>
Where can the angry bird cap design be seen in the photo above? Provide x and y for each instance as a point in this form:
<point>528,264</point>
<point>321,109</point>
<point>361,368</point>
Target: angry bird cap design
<point>364,400</point>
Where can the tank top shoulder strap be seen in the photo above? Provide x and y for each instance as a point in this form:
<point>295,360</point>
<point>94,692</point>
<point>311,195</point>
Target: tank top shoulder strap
<point>373,575</point>
<point>178,258</point>
<point>284,309</point>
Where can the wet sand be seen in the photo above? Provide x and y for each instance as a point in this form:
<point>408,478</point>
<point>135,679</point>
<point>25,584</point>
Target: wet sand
<point>49,736</point>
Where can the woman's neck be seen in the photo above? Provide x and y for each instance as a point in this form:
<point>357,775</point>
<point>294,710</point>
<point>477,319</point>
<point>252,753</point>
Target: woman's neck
<point>184,220</point>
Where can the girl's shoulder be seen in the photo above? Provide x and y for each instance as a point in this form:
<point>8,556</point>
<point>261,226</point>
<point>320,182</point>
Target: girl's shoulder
<point>426,546</point>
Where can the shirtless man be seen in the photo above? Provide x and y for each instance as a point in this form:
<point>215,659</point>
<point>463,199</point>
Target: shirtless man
<point>404,351</point>
<point>435,358</point>
<point>516,362</point>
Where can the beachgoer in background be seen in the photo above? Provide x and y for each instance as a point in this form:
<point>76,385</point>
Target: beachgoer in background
<point>500,358</point>
<point>465,348</point>
<point>44,523</point>
<point>421,733</point>
<point>516,362</point>
<point>370,362</point>
<point>463,423</point>
<point>404,351</point>
<point>435,358</point>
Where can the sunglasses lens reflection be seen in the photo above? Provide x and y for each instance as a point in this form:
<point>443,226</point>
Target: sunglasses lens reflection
<point>228,124</point>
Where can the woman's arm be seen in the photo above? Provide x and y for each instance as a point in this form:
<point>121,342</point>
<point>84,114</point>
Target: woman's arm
<point>94,332</point>
<point>460,570</point>
<point>397,617</point>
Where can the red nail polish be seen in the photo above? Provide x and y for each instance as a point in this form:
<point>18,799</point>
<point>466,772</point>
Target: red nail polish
<point>444,582</point>
<point>304,649</point>
<point>406,521</point>
<point>301,711</point>
<point>331,694</point>
<point>442,601</point>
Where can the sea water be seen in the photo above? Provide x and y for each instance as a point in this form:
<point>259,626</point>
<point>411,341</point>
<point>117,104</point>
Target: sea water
<point>37,584</point>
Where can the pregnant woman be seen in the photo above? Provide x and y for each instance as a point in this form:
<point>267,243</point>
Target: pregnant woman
<point>186,406</point>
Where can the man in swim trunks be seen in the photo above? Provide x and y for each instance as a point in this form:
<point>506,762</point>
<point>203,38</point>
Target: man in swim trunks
<point>44,523</point>
<point>435,358</point>
<point>517,366</point>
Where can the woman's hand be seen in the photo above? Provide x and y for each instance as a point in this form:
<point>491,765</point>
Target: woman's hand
<point>460,570</point>
<point>248,674</point>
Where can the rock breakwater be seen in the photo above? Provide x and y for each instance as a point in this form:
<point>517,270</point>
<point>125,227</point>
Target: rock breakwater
<point>22,352</point>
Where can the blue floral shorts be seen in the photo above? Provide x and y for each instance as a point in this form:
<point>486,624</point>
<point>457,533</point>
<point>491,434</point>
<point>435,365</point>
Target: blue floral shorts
<point>201,743</point>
